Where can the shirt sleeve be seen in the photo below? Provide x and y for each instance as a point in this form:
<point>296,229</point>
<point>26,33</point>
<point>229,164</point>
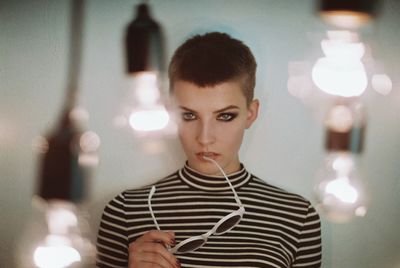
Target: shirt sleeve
<point>309,244</point>
<point>112,240</point>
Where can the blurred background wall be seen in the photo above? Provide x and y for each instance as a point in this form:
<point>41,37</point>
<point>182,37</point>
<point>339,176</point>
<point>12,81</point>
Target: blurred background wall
<point>284,148</point>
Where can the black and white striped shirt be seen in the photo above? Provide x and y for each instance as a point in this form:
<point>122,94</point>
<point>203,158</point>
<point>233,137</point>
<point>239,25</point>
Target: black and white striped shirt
<point>278,229</point>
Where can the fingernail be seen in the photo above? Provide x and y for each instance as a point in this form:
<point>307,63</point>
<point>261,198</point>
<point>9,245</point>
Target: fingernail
<point>172,242</point>
<point>178,264</point>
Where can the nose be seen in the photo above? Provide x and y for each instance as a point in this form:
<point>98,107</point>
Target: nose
<point>205,133</point>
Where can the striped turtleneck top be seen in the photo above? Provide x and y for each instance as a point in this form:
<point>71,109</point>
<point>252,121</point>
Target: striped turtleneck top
<point>278,229</point>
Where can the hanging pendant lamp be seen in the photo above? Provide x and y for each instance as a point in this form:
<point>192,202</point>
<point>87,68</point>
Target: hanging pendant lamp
<point>144,110</point>
<point>144,43</point>
<point>57,231</point>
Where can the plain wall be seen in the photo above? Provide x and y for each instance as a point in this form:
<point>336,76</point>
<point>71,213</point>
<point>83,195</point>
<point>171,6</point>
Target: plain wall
<point>285,146</point>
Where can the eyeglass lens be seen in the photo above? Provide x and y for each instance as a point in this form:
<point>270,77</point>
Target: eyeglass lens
<point>192,245</point>
<point>228,224</point>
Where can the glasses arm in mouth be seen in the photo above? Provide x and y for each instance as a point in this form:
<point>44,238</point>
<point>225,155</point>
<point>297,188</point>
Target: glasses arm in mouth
<point>226,177</point>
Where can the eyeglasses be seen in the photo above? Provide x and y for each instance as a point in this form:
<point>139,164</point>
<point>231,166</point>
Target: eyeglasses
<point>222,226</point>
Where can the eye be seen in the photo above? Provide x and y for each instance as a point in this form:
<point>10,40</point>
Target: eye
<point>188,116</point>
<point>226,117</point>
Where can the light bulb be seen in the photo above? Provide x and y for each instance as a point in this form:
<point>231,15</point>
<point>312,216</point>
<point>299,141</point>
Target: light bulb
<point>55,256</point>
<point>340,119</point>
<point>89,143</point>
<point>149,120</point>
<point>144,111</point>
<point>56,236</point>
<point>145,87</point>
<point>342,189</point>
<point>341,72</point>
<point>339,191</point>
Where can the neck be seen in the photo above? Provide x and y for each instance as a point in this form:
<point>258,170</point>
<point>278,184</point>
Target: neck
<point>212,182</point>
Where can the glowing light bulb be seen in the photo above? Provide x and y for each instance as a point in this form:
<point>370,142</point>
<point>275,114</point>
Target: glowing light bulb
<point>57,256</point>
<point>89,143</point>
<point>342,190</point>
<point>339,191</point>
<point>340,119</point>
<point>145,87</point>
<point>149,120</point>
<point>341,72</point>
<point>56,237</point>
<point>144,112</point>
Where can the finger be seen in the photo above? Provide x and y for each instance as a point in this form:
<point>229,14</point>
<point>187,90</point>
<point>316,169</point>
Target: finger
<point>161,250</point>
<point>167,238</point>
<point>141,249</point>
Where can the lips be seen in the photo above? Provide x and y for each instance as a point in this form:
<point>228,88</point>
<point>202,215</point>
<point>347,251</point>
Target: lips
<point>211,155</point>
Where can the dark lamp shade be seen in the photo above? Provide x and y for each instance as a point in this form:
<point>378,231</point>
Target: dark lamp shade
<point>345,127</point>
<point>348,13</point>
<point>61,176</point>
<point>144,43</point>
<point>348,141</point>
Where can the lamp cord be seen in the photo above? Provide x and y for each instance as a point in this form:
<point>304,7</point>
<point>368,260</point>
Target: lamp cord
<point>75,52</point>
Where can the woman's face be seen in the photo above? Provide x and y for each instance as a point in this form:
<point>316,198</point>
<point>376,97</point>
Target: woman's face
<point>211,122</point>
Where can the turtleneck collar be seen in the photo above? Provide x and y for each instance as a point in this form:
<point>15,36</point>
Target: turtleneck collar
<point>213,183</point>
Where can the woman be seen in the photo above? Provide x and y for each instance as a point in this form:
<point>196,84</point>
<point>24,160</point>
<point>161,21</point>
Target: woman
<point>197,217</point>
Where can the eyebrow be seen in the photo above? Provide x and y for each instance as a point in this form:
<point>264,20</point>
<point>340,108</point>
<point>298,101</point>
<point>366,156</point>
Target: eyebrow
<point>217,111</point>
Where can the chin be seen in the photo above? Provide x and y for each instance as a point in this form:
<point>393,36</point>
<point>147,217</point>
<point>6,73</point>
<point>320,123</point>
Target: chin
<point>206,169</point>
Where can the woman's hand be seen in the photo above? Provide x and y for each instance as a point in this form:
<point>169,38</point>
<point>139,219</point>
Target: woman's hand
<point>150,250</point>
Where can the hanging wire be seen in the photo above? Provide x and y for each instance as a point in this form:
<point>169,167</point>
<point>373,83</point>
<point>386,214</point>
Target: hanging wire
<point>75,51</point>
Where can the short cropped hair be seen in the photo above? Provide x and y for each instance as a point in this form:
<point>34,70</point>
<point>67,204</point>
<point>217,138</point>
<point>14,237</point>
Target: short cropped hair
<point>213,58</point>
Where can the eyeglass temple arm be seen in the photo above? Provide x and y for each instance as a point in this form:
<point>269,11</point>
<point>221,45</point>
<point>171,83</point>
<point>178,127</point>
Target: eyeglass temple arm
<point>152,191</point>
<point>226,177</point>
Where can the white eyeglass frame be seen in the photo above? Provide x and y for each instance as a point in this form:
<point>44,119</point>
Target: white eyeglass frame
<point>213,231</point>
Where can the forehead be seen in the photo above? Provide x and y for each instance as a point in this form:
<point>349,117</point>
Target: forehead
<point>218,96</point>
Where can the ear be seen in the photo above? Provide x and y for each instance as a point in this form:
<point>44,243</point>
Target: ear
<point>252,113</point>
